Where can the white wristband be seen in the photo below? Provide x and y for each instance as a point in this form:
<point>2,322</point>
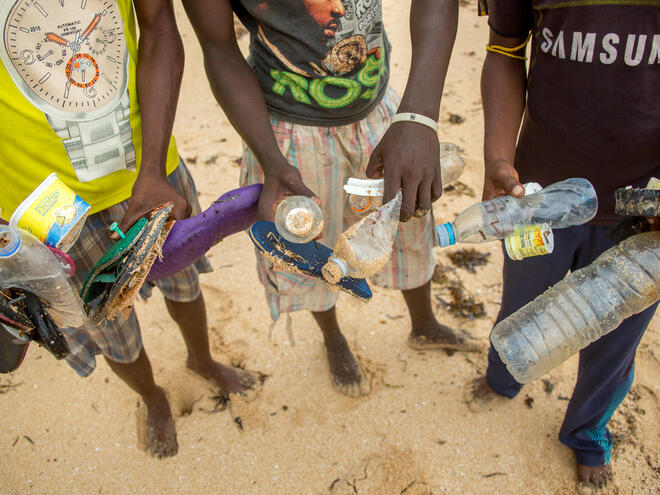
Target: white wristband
<point>415,117</point>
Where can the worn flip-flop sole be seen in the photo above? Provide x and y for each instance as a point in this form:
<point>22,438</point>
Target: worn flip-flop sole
<point>135,268</point>
<point>308,258</point>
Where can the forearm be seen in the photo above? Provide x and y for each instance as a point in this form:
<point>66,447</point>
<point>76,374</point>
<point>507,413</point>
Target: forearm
<point>503,87</point>
<point>159,72</point>
<point>237,90</point>
<point>433,26</point>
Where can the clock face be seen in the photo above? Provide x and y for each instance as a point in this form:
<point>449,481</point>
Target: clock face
<point>70,55</point>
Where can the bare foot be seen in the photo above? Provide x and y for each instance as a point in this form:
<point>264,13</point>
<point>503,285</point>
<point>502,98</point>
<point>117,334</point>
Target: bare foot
<point>344,368</point>
<point>230,380</point>
<point>155,425</point>
<point>478,395</point>
<point>438,336</point>
<point>596,480</point>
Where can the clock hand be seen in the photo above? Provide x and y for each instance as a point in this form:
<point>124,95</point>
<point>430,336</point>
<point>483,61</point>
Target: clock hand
<point>56,39</point>
<point>91,27</point>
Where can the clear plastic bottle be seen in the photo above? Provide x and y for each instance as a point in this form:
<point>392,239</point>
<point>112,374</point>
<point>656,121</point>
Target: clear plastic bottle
<point>560,205</point>
<point>532,240</point>
<point>586,305</point>
<point>366,195</point>
<point>365,247</point>
<point>26,263</point>
<point>298,219</point>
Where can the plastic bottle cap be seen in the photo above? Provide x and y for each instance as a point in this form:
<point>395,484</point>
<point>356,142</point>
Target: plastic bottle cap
<point>334,270</point>
<point>532,187</point>
<point>444,234</point>
<point>10,241</point>
<point>534,241</point>
<point>365,187</point>
<point>299,221</point>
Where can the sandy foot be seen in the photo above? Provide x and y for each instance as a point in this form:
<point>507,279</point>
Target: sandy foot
<point>155,428</point>
<point>347,376</point>
<point>596,480</point>
<point>230,380</point>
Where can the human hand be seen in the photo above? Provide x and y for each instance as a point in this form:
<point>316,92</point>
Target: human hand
<point>279,183</point>
<point>408,157</point>
<point>654,222</point>
<point>501,179</point>
<point>149,192</point>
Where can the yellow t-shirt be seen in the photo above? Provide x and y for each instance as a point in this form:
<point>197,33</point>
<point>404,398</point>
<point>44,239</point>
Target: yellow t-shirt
<point>67,96</point>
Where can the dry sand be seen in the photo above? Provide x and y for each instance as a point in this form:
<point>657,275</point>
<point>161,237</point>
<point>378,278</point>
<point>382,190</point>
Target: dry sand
<point>413,434</point>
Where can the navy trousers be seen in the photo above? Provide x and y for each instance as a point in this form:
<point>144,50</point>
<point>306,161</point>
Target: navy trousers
<point>606,367</point>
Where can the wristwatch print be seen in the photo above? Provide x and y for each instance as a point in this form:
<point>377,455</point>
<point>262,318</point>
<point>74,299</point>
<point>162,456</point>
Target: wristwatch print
<point>69,59</point>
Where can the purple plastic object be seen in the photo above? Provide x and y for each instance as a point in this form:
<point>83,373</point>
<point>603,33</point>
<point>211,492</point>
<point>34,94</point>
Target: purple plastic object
<point>189,239</point>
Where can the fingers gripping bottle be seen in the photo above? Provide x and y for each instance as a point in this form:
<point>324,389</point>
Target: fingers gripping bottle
<point>298,219</point>
<point>366,246</point>
<point>366,195</point>
<point>26,263</point>
<point>583,307</point>
<point>560,205</point>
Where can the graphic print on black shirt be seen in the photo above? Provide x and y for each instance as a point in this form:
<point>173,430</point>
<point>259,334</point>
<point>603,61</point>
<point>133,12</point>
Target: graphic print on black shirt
<point>318,61</point>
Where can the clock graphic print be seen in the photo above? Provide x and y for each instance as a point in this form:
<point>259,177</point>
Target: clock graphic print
<point>69,59</point>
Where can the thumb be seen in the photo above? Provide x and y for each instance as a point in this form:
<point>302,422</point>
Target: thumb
<point>181,210</point>
<point>128,220</point>
<point>375,166</point>
<point>512,186</point>
<point>300,189</point>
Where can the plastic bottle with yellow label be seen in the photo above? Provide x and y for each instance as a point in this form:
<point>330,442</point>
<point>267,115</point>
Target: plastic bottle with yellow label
<point>563,204</point>
<point>534,240</point>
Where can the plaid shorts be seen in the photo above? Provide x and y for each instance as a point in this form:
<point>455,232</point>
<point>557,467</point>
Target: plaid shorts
<point>120,340</point>
<point>326,158</point>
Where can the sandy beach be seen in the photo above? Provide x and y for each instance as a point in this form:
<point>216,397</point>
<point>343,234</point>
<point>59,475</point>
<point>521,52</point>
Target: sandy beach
<point>413,434</point>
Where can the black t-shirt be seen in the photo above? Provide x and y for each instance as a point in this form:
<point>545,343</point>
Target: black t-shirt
<point>593,92</point>
<point>318,62</point>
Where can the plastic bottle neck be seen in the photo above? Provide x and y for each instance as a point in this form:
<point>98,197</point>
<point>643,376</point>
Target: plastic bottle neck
<point>444,234</point>
<point>10,241</point>
<point>334,270</point>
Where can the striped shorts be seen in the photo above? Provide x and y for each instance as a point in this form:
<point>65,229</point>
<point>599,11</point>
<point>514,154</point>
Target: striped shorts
<point>120,340</point>
<point>326,157</point>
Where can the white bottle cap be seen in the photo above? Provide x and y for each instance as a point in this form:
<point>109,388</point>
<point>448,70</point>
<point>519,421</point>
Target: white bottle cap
<point>365,187</point>
<point>532,187</point>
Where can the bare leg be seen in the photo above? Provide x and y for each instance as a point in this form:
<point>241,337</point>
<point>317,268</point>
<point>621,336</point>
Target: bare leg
<point>426,332</point>
<point>191,318</point>
<point>160,434</point>
<point>346,373</point>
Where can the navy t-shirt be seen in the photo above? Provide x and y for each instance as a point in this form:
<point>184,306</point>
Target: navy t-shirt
<point>593,92</point>
<point>318,62</point>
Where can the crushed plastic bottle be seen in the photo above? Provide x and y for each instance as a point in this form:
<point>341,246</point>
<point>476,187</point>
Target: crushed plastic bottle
<point>298,219</point>
<point>366,195</point>
<point>583,307</point>
<point>366,246</point>
<point>560,205</point>
<point>28,264</point>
